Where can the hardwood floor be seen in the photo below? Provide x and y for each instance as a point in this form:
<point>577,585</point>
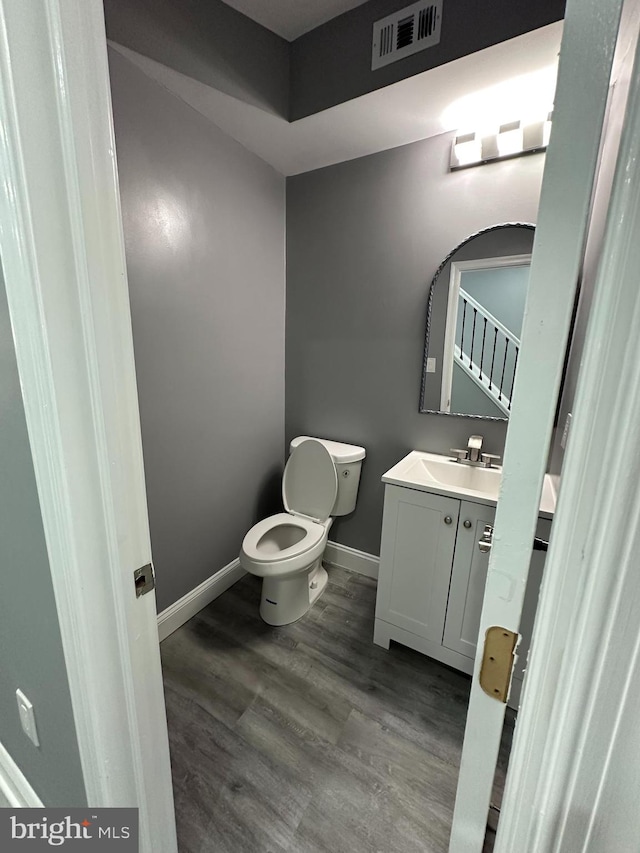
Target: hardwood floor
<point>309,738</point>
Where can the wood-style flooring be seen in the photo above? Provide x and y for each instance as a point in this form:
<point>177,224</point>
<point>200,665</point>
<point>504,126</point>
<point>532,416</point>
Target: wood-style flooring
<point>309,738</point>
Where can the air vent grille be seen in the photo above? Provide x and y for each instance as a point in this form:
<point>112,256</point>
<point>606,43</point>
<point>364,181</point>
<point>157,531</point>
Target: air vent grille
<point>386,40</point>
<point>406,32</point>
<point>426,22</point>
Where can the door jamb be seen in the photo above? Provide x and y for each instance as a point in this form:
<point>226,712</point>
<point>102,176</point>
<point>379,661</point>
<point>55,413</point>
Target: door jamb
<point>64,267</point>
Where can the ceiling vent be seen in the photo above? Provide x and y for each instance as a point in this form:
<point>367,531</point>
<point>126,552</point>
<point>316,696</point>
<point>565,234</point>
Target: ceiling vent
<point>406,32</point>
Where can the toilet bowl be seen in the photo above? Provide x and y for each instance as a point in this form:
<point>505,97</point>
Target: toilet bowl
<point>320,478</point>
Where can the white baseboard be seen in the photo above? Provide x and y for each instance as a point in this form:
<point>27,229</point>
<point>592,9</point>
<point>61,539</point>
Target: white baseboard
<point>14,787</point>
<point>182,610</point>
<point>351,559</point>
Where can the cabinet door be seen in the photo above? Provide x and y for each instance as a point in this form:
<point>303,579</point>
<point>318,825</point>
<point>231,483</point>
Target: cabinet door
<point>467,580</point>
<point>416,554</point>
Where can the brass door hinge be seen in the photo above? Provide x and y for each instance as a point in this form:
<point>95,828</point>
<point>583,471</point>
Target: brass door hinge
<point>497,662</point>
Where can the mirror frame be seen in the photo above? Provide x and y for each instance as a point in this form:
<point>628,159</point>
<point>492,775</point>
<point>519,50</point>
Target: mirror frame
<point>423,384</point>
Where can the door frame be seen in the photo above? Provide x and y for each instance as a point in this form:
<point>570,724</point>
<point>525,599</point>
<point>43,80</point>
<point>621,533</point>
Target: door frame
<point>62,249</point>
<point>65,274</point>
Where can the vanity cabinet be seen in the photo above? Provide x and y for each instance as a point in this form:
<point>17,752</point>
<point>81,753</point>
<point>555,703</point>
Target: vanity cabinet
<point>432,577</point>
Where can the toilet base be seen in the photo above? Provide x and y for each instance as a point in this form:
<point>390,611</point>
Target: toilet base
<point>285,600</point>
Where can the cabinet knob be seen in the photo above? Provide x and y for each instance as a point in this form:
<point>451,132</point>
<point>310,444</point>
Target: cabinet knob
<point>467,523</point>
<point>447,519</point>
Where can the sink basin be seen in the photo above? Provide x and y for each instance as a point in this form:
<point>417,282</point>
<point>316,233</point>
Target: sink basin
<point>445,472</point>
<point>431,472</point>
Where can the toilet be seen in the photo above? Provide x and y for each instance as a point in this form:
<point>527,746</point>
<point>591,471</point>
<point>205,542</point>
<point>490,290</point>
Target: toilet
<point>320,481</point>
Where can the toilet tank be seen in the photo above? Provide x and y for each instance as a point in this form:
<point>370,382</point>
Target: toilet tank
<point>348,461</point>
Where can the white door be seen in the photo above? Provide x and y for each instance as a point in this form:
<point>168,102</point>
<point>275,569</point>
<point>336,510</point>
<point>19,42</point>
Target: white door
<point>587,50</point>
<point>63,261</point>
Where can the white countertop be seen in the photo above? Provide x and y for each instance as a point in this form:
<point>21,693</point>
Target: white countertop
<point>431,472</point>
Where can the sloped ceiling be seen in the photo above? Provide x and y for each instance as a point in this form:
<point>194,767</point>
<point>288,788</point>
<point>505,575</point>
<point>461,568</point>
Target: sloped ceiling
<point>292,18</point>
<point>413,109</point>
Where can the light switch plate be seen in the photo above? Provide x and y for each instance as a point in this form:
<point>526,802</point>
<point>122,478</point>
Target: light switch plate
<point>431,365</point>
<point>27,717</point>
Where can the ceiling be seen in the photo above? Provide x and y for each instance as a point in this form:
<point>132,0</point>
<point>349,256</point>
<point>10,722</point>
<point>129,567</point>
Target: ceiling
<point>509,75</point>
<point>292,18</point>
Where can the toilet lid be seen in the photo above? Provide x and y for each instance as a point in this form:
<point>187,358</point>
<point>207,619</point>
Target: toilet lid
<point>310,482</point>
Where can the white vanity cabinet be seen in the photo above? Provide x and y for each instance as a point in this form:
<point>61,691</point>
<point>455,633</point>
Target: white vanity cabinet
<point>432,577</point>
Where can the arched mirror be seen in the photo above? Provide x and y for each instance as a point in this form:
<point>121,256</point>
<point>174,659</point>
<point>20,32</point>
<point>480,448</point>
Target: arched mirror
<point>475,307</point>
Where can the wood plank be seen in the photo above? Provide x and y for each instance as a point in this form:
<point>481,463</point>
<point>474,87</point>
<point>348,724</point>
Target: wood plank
<point>308,737</point>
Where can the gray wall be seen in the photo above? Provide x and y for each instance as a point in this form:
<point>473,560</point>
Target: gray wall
<point>209,41</point>
<point>204,231</point>
<point>332,63</point>
<point>364,239</point>
<point>503,292</point>
<point>31,656</point>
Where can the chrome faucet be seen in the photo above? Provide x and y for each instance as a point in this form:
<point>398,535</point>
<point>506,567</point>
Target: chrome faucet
<point>474,446</point>
<point>473,455</point>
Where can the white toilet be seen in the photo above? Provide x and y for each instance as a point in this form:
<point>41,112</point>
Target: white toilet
<point>320,481</point>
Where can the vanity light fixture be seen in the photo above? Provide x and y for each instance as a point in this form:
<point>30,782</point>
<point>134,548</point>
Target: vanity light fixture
<point>467,149</point>
<point>510,139</point>
<point>513,139</point>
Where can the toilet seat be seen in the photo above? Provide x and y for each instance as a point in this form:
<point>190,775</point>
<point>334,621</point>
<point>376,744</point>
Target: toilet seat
<point>286,549</point>
<point>290,542</point>
<point>253,544</point>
